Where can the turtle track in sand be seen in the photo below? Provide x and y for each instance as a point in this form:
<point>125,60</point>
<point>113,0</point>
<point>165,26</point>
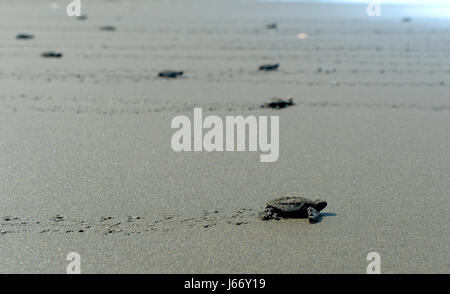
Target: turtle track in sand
<point>127,225</point>
<point>145,106</point>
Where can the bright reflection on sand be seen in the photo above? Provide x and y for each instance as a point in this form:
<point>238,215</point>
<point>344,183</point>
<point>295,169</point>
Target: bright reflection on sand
<point>417,8</point>
<point>408,2</point>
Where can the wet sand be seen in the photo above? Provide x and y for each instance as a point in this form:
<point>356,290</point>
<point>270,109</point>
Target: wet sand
<point>86,163</point>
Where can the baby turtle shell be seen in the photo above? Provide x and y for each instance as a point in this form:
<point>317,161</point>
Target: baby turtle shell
<point>24,36</point>
<point>170,74</point>
<point>269,67</point>
<point>107,28</point>
<point>293,207</point>
<point>278,103</point>
<point>51,54</point>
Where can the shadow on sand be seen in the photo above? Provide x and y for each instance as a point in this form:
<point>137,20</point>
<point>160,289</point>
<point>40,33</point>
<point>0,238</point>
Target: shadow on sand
<point>325,214</point>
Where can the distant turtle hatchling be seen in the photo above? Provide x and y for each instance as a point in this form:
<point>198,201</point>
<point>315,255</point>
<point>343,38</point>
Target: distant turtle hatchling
<point>170,74</point>
<point>24,36</point>
<point>406,19</point>
<point>269,67</point>
<point>278,103</point>
<point>293,207</point>
<point>108,28</point>
<point>51,54</point>
<point>271,26</point>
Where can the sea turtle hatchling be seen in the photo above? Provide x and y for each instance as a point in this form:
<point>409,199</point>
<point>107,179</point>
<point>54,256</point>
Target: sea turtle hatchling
<point>170,74</point>
<point>107,28</point>
<point>293,207</point>
<point>24,36</point>
<point>271,26</point>
<point>278,103</point>
<point>269,67</point>
<point>51,54</point>
<point>82,17</point>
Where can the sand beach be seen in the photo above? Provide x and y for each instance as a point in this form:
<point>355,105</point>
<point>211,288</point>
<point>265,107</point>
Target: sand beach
<point>86,163</point>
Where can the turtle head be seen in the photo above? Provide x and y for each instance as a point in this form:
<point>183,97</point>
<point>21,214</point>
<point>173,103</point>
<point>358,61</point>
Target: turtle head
<point>320,204</point>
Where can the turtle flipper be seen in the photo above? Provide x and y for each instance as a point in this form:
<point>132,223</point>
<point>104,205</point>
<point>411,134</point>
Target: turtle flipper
<point>313,215</point>
<point>320,204</point>
<point>268,214</point>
